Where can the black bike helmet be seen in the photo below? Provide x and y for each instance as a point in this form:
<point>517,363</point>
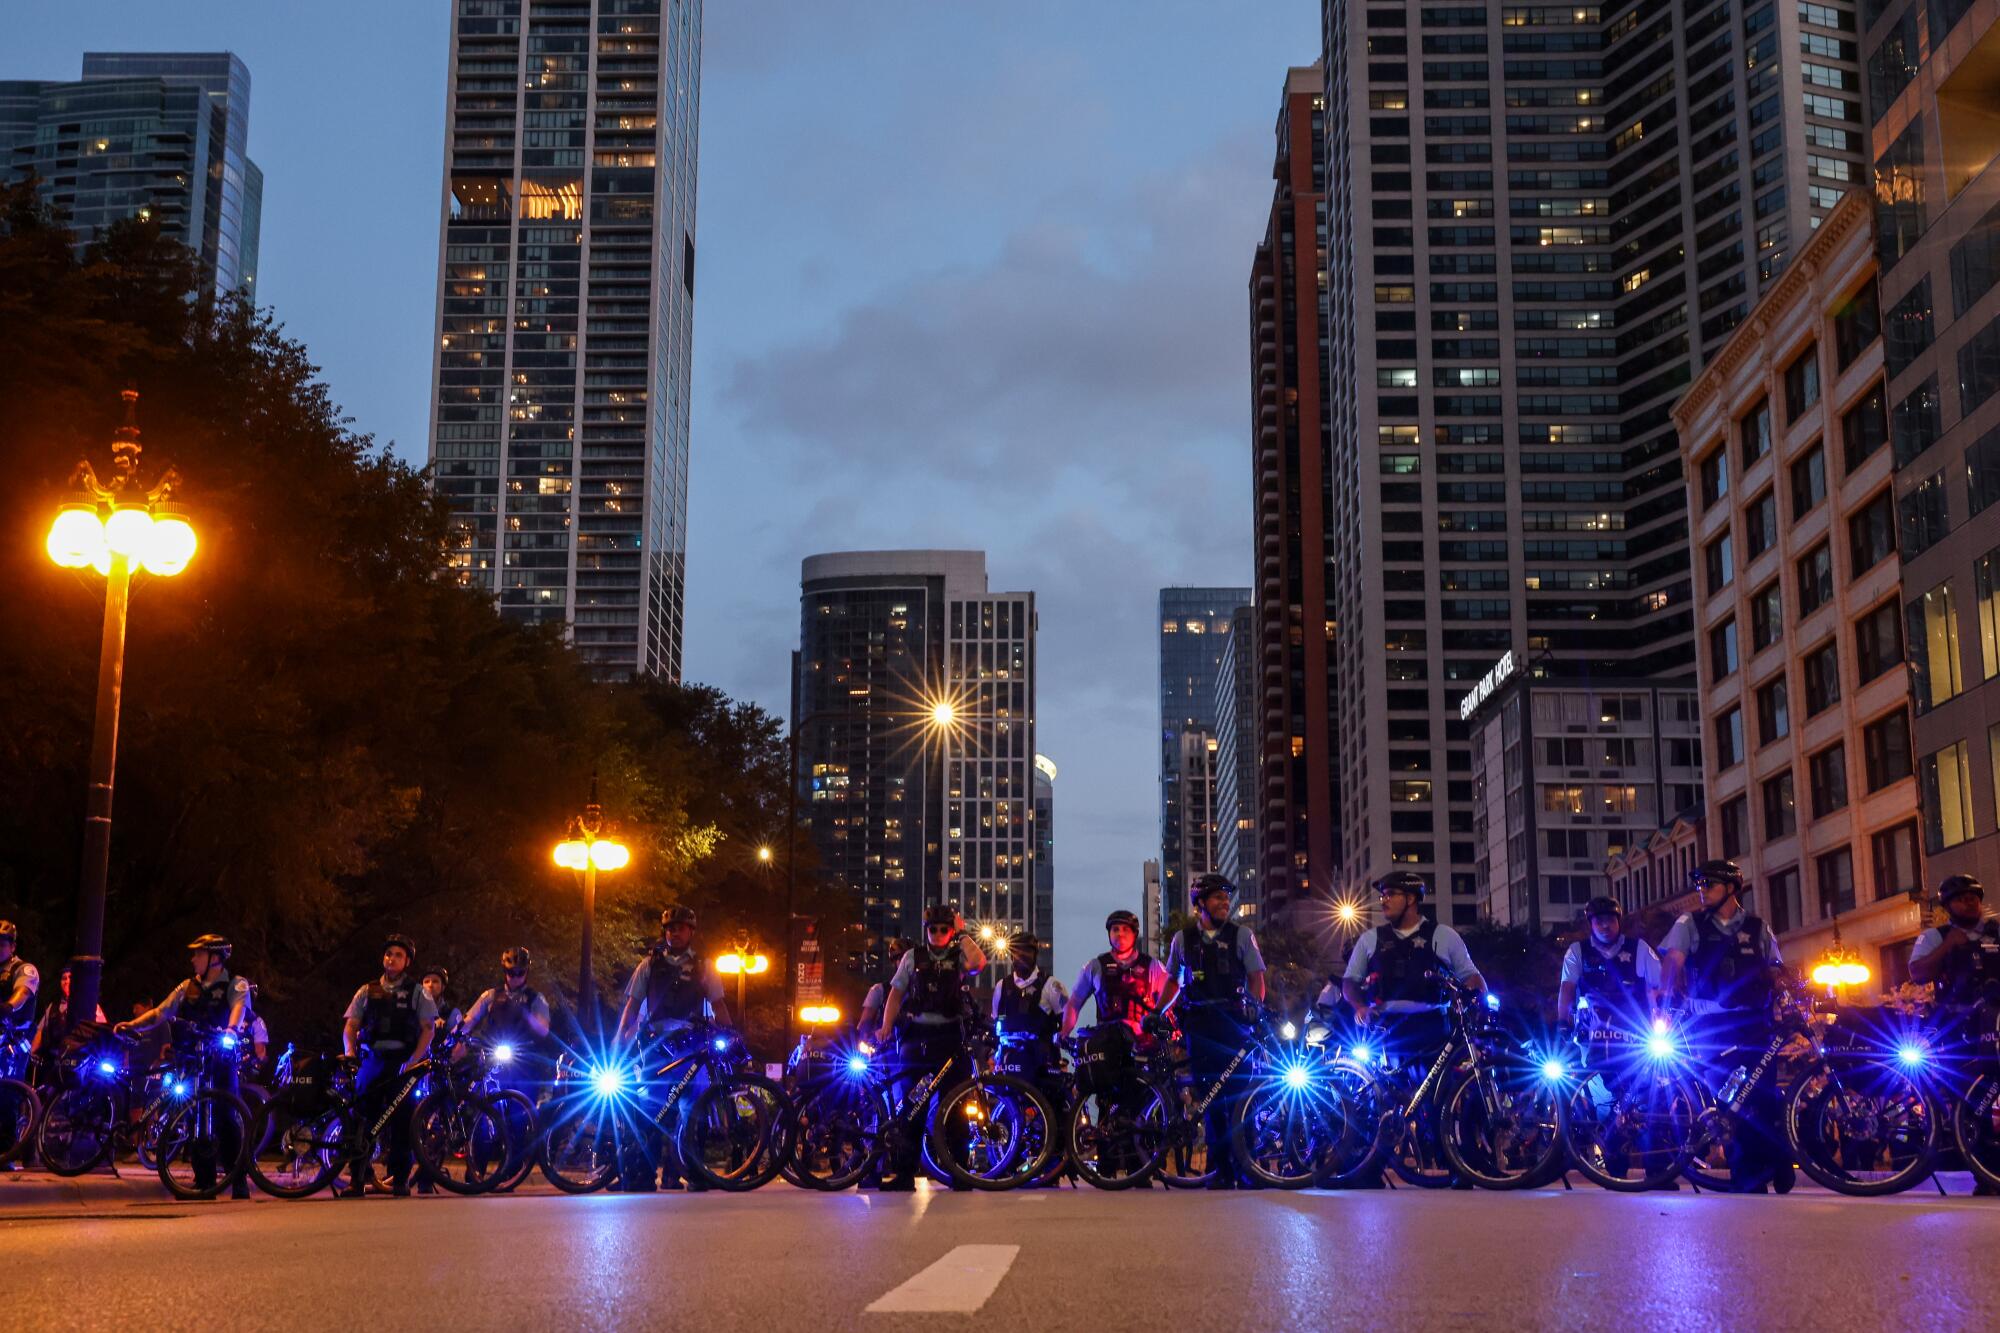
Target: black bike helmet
<point>1204,885</point>
<point>437,970</point>
<point>1024,942</point>
<point>515,959</point>
<point>677,915</point>
<point>940,914</point>
<point>1952,887</point>
<point>213,943</point>
<point>403,942</point>
<point>1716,872</point>
<point>1121,917</point>
<point>1603,906</point>
<point>1405,881</point>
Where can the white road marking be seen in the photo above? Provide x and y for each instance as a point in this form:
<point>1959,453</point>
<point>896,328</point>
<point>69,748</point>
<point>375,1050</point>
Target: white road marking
<point>959,1283</point>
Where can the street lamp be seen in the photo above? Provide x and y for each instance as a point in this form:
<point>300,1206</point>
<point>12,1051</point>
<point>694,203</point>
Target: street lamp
<point>742,964</point>
<point>112,529</point>
<point>586,851</point>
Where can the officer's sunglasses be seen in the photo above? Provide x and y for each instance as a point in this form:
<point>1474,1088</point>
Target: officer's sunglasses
<point>517,971</point>
<point>938,930</point>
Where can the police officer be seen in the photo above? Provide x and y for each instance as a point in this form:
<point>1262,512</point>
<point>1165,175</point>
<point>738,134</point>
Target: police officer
<point>213,1000</point>
<point>389,1025</point>
<point>1396,971</point>
<point>1126,983</point>
<point>1727,963</point>
<point>18,983</point>
<point>1614,977</point>
<point>436,981</point>
<point>669,992</point>
<point>930,997</point>
<point>1961,958</point>
<point>1028,1008</point>
<point>1215,963</point>
<point>55,1021</point>
<point>870,1018</point>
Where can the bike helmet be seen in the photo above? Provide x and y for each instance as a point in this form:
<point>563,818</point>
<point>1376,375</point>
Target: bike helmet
<point>940,914</point>
<point>677,915</point>
<point>437,970</point>
<point>1603,906</point>
<point>1716,872</point>
<point>1025,942</point>
<point>515,959</point>
<point>403,942</point>
<point>1403,881</point>
<point>212,943</point>
<point>1122,918</point>
<point>1953,886</point>
<point>1204,885</point>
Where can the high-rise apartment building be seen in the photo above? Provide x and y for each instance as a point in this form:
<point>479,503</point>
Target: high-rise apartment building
<point>904,808</point>
<point>1934,75</point>
<point>1043,855</point>
<point>1195,624</point>
<point>566,315</point>
<point>1543,219</point>
<point>160,135</point>
<point>1292,804</point>
<point>1239,738</point>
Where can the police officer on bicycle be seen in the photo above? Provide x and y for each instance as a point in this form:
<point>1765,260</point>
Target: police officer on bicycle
<point>1607,976</point>
<point>670,991</point>
<point>870,1018</point>
<point>214,1000</point>
<point>436,981</point>
<point>18,983</point>
<point>388,1027</point>
<point>1028,1008</point>
<point>1396,971</point>
<point>1215,963</point>
<point>928,1001</point>
<point>1727,963</point>
<point>1126,983</point>
<point>1960,958</point>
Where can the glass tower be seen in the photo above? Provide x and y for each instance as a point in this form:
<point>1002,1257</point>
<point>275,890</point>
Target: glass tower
<point>566,313</point>
<point>1195,624</point>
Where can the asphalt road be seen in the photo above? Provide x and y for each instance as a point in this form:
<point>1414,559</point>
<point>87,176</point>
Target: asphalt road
<point>781,1259</point>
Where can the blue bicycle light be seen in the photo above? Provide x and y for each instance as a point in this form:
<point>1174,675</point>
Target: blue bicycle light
<point>1298,1078</point>
<point>503,1054</point>
<point>227,1041</point>
<point>180,1089</point>
<point>1660,1046</point>
<point>1492,1000</point>
<point>1911,1054</point>
<point>722,1043</point>
<point>107,1067</point>
<point>1362,1054</point>
<point>1554,1070</point>
<point>857,1063</point>
<point>1583,1002</point>
<point>607,1080</point>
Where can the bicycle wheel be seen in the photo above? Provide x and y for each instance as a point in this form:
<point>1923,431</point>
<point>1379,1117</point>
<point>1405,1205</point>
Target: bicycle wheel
<point>1279,1131</point>
<point>19,1110</point>
<point>523,1133</point>
<point>837,1135</point>
<point>203,1144</point>
<point>1190,1159</point>
<point>1118,1138</point>
<point>984,1132</point>
<point>1975,1124</point>
<point>79,1129</point>
<point>461,1142</point>
<point>1416,1150</point>
<point>738,1134</point>
<point>297,1156</point>
<point>1630,1134</point>
<point>1718,1156</point>
<point>579,1151</point>
<point>1357,1156</point>
<point>1507,1141</point>
<point>1865,1129</point>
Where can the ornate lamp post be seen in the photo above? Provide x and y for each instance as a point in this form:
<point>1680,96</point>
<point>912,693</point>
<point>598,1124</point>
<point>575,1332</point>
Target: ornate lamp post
<point>587,850</point>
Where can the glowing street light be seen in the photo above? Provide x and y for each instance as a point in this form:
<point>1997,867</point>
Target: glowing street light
<point>742,963</point>
<point>764,855</point>
<point>587,850</point>
<point>819,1015</point>
<point>114,530</point>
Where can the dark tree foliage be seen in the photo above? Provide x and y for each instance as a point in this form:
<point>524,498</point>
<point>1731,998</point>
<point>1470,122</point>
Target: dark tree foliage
<point>324,737</point>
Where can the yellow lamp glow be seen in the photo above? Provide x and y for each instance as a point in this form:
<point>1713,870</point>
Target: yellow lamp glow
<point>609,855</point>
<point>729,964</point>
<point>943,714</point>
<point>763,853</point>
<point>129,531</point>
<point>756,963</point>
<point>1348,913</point>
<point>573,855</point>
<point>76,538</point>
<point>170,544</point>
<point>818,1015</point>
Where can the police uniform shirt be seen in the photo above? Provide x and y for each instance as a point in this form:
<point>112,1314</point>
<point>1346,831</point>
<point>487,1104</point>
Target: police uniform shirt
<point>1090,982</point>
<point>641,983</point>
<point>1445,943</point>
<point>26,977</point>
<point>1686,937</point>
<point>1931,942</point>
<point>972,959</point>
<point>482,1008</point>
<point>1054,998</point>
<point>1648,961</point>
<point>1247,953</point>
<point>426,1007</point>
<point>872,1002</point>
<point>189,992</point>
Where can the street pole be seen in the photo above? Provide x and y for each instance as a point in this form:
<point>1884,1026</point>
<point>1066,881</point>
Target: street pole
<point>87,967</point>
<point>791,887</point>
<point>584,999</point>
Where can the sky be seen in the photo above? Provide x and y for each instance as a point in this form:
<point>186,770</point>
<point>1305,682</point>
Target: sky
<point>967,276</point>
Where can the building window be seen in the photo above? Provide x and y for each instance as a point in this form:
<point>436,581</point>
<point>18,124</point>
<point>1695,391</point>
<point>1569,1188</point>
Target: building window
<point>1885,744</point>
<point>1979,367</point>
<point>1767,616</point>
<point>1899,195</point>
<point>1714,477</point>
<point>1878,642</point>
<point>1863,428</point>
<point>1993,757</point>
<point>1782,891</point>
<point>1802,383</point>
<point>1934,648</point>
<point>1907,332</point>
<point>1986,588</point>
<point>1721,564</point>
<point>1822,673</point>
<point>1858,320</point>
<point>1914,426</point>
<point>1871,534</point>
<point>1722,650</point>
<point>1975,263</point>
<point>1735,819</point>
<point>1760,524</point>
<point>1836,881</point>
<point>1946,801</point>
<point>1729,739</point>
<point>1808,481</point>
<point>1827,771</point>
<point>1755,432</point>
<point>1922,511</point>
<point>1562,800</point>
<point>1781,817</point>
<point>1982,472</point>
<point>1895,857</point>
<point>1774,716</point>
<point>1815,579</point>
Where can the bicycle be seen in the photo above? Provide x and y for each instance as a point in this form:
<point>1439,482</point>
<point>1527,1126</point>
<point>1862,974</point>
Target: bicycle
<point>20,1107</point>
<point>734,1135</point>
<point>1631,1106</point>
<point>463,1070</point>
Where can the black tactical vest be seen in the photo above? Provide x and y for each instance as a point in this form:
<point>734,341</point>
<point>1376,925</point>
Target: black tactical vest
<point>14,1020</point>
<point>1021,1007</point>
<point>389,1015</point>
<point>1408,969</point>
<point>1125,990</point>
<point>673,986</point>
<point>209,1005</point>
<point>939,984</point>
<point>1612,981</point>
<point>1729,968</point>
<point>509,1020</point>
<point>1215,970</point>
<point>1970,970</point>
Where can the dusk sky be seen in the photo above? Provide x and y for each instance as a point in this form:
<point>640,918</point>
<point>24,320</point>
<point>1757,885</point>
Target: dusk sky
<point>967,276</point>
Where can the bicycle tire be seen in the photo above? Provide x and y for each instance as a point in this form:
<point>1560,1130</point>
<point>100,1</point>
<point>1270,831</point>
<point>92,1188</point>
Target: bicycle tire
<point>1086,1119</point>
<point>204,1104</point>
<point>1253,1119</point>
<point>773,1143</point>
<point>27,1117</point>
<point>1177,1167</point>
<point>1017,1165</point>
<point>838,1136</point>
<point>578,1152</point>
<point>1416,1144</point>
<point>1809,1099</point>
<point>1585,1156</point>
<point>1713,1128</point>
<point>447,1131</point>
<point>1472,1167</point>
<point>74,1110</point>
<point>527,1144</point>
<point>323,1142</point>
<point>1977,1132</point>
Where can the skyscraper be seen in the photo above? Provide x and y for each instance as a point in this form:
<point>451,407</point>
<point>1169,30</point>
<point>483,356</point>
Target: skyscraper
<point>163,135</point>
<point>1239,736</point>
<point>1544,219</point>
<point>1195,623</point>
<point>904,810</point>
<point>1291,800</point>
<point>566,314</point>
<point>1043,854</point>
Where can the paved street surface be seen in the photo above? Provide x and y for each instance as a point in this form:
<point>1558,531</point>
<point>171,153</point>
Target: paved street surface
<point>781,1259</point>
